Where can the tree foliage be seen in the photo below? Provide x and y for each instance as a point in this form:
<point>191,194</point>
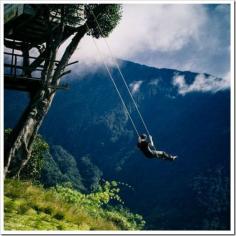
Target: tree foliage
<point>68,167</point>
<point>105,21</point>
<point>70,14</point>
<point>212,193</point>
<point>53,166</point>
<point>90,172</point>
<point>32,170</point>
<point>107,16</point>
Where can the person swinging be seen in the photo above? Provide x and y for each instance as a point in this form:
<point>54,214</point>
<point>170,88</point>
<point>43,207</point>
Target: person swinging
<point>146,145</point>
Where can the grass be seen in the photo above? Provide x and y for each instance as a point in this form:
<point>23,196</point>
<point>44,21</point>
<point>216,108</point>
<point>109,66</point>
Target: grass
<point>31,207</point>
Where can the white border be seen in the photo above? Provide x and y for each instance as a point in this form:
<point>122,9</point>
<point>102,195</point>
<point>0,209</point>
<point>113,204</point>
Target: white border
<point>122,1</point>
<point>125,232</point>
<point>1,120</point>
<point>232,119</point>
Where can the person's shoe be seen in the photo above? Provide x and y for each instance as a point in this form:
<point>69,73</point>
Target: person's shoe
<point>173,158</point>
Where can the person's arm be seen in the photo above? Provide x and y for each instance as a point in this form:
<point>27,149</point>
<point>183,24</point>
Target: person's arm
<point>151,141</point>
<point>139,139</point>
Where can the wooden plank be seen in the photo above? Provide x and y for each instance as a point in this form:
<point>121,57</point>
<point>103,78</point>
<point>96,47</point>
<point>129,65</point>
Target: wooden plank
<point>19,67</point>
<point>63,86</point>
<point>21,84</point>
<point>38,27</point>
<point>30,34</point>
<point>65,73</point>
<point>28,84</point>
<point>71,63</point>
<point>20,55</point>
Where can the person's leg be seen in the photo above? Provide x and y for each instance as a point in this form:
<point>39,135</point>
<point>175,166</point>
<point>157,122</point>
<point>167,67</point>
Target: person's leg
<point>165,156</point>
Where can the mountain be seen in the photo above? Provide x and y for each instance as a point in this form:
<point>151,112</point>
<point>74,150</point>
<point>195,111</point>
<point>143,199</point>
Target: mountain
<point>89,120</point>
<point>60,167</point>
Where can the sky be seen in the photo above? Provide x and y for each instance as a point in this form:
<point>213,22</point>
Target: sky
<point>186,37</point>
<point>193,37</point>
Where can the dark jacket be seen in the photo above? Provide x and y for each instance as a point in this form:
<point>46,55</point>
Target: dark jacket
<point>144,146</point>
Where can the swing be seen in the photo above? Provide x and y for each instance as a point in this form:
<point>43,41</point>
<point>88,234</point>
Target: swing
<point>150,153</point>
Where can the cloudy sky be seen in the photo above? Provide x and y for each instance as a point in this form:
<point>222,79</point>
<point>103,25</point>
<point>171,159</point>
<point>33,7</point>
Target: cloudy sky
<point>194,37</point>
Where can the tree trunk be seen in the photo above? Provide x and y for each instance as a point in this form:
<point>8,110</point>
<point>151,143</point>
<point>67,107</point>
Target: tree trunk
<point>29,124</point>
<point>19,146</point>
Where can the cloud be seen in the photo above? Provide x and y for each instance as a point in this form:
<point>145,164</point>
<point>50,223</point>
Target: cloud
<point>149,27</point>
<point>201,83</point>
<point>135,86</point>
<point>160,27</point>
<point>191,37</point>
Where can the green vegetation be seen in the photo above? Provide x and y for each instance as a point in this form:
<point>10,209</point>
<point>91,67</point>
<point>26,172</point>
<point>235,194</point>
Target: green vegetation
<point>108,18</point>
<point>32,170</point>
<point>60,167</point>
<point>54,165</point>
<point>90,172</point>
<point>52,195</point>
<point>31,207</point>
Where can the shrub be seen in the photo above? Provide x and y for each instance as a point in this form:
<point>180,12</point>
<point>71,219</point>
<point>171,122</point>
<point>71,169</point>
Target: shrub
<point>62,208</point>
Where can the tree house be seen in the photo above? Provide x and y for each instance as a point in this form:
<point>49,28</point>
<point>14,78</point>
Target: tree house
<point>26,27</point>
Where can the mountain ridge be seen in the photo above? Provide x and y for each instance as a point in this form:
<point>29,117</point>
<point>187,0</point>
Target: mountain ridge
<point>196,127</point>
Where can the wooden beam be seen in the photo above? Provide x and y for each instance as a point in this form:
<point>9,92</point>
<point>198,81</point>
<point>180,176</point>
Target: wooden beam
<point>74,62</point>
<point>21,77</point>
<point>65,73</point>
<point>21,83</point>
<point>20,55</point>
<point>63,86</point>
<point>19,67</point>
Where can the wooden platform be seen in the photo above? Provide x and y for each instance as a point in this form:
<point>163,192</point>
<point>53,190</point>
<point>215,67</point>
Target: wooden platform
<point>26,84</point>
<point>29,26</point>
<point>25,26</point>
<point>21,83</point>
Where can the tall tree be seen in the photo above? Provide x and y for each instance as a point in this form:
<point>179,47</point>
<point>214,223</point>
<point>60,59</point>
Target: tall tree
<point>19,146</point>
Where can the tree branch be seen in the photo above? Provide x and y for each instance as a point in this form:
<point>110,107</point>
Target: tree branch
<point>68,53</point>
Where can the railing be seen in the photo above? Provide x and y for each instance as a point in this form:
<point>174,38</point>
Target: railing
<point>16,75</point>
<point>13,66</point>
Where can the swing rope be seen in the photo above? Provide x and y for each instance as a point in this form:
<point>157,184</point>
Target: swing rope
<point>112,79</point>
<point>121,74</point>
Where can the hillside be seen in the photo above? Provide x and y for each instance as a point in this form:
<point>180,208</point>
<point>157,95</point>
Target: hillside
<point>62,208</point>
<point>89,120</point>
